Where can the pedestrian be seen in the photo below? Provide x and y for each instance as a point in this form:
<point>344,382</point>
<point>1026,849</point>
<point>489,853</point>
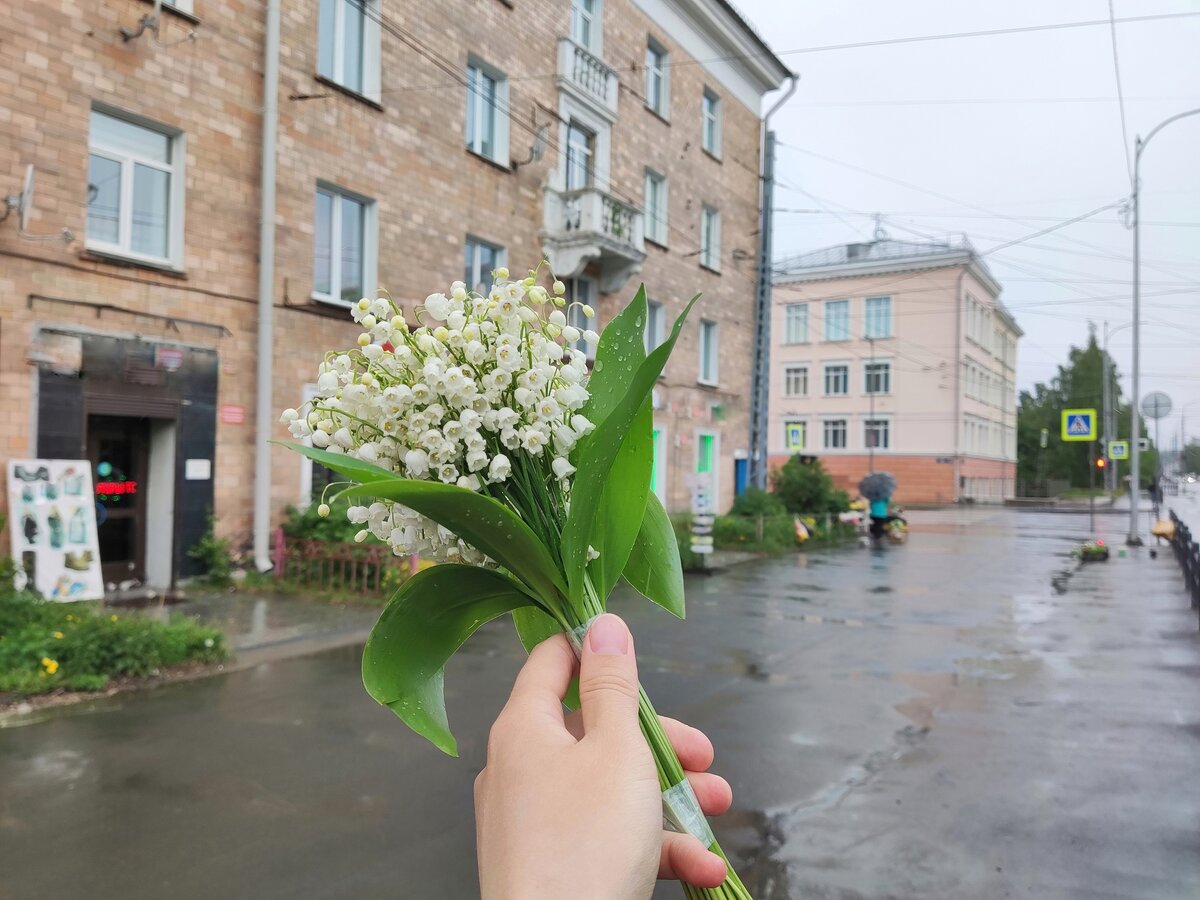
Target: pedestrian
<point>570,806</point>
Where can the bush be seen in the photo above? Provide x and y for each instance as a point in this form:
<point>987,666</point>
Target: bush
<point>305,524</point>
<point>216,555</point>
<point>46,646</point>
<point>806,488</point>
<point>741,533</point>
<point>756,502</point>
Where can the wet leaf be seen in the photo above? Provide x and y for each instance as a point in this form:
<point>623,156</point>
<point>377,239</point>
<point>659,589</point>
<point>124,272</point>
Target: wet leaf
<point>654,568</point>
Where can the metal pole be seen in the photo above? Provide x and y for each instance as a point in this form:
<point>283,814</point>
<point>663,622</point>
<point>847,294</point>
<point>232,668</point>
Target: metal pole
<point>1108,435</point>
<point>1134,419</point>
<point>875,437</point>
<point>1092,487</point>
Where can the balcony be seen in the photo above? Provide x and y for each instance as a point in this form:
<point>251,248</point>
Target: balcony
<point>588,225</point>
<point>587,76</point>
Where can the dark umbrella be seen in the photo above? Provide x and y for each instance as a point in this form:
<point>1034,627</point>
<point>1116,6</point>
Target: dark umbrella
<point>878,486</point>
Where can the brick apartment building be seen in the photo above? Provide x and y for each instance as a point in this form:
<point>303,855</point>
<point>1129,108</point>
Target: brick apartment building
<point>900,351</point>
<point>417,143</point>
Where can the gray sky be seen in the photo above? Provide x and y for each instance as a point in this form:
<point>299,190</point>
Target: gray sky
<point>1009,167</point>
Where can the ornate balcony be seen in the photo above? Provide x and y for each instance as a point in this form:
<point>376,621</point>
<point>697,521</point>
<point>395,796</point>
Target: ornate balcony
<point>589,225</point>
<point>587,76</point>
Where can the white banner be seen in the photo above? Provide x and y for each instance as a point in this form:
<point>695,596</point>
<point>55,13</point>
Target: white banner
<point>52,522</point>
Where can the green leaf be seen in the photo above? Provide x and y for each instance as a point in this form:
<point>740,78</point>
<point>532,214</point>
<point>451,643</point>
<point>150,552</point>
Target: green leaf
<point>621,350</point>
<point>654,569</point>
<point>431,616</point>
<point>480,521</point>
<point>597,455</point>
<point>533,627</point>
<point>347,466</point>
<point>623,503</point>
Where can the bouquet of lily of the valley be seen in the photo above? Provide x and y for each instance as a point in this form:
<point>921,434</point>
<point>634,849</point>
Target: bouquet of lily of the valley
<point>479,439</point>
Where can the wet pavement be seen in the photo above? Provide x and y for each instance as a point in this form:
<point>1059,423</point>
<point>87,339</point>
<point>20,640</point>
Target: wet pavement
<point>945,719</point>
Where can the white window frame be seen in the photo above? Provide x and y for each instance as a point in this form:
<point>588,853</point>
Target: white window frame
<point>710,238</point>
<point>791,423</point>
<point>657,214</point>
<point>500,154</point>
<point>660,71</point>
<point>800,311</point>
<point>656,325</point>
<point>715,117</point>
<point>788,369</point>
<point>176,197</point>
<point>660,448</point>
<point>867,364</point>
<point>183,6</point>
<point>370,46</point>
<point>475,243</point>
<point>845,304</point>
<point>825,379</point>
<point>709,327</point>
<point>595,19</point>
<point>370,249</point>
<point>830,420</point>
<point>886,422</point>
<point>575,315</point>
<point>867,317</point>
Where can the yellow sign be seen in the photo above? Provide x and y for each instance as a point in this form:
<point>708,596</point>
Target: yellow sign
<point>1118,449</point>
<point>1079,425</point>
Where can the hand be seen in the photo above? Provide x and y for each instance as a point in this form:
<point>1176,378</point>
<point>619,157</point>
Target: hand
<point>571,806</point>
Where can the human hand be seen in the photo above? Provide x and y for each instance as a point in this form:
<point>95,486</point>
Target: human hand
<point>571,806</point>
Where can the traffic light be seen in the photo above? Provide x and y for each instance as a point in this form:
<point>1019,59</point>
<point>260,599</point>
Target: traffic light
<point>1101,463</point>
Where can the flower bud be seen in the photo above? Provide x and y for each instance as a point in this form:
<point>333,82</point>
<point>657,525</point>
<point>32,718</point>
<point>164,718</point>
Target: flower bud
<point>323,510</point>
<point>369,321</point>
<point>364,339</point>
<point>589,312</point>
<point>289,416</point>
<point>361,536</point>
<point>501,273</point>
<point>559,288</point>
<point>364,304</point>
<point>557,318</point>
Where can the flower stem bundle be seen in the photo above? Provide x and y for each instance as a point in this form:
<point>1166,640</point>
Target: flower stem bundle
<point>479,439</point>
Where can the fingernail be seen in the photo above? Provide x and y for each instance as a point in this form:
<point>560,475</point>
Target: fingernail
<point>608,636</point>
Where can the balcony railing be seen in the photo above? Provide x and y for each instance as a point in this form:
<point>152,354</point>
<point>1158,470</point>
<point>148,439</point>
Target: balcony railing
<point>589,75</point>
<point>590,225</point>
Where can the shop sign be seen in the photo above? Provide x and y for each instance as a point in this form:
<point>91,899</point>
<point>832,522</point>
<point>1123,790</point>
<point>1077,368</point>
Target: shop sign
<point>232,414</point>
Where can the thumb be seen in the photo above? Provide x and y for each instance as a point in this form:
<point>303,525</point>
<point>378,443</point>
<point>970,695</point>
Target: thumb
<point>608,682</point>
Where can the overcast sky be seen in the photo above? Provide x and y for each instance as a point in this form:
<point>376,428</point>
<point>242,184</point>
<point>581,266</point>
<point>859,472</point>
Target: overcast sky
<point>1038,142</point>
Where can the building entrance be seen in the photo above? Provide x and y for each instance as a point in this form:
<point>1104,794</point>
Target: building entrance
<point>119,451</point>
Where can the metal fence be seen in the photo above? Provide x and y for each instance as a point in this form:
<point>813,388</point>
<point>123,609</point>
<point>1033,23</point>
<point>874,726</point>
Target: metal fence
<point>324,565</point>
<point>1187,552</point>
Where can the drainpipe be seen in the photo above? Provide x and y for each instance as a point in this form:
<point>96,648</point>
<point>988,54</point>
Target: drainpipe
<point>264,413</point>
<point>761,378</point>
<point>958,430</point>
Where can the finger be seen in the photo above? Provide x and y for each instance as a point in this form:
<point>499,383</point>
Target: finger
<point>712,791</point>
<point>543,680</point>
<point>608,684</point>
<point>692,746</point>
<point>683,857</point>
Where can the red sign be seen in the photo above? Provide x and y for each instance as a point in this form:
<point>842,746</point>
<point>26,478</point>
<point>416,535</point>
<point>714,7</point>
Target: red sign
<point>232,414</point>
<point>115,488</point>
<point>169,358</point>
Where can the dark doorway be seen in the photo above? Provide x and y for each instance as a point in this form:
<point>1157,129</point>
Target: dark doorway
<point>119,451</point>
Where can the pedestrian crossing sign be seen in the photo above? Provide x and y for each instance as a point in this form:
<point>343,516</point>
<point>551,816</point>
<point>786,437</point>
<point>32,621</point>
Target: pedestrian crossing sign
<point>1118,449</point>
<point>1078,424</point>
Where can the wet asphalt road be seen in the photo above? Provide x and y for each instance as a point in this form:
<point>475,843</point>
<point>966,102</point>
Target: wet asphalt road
<point>936,720</point>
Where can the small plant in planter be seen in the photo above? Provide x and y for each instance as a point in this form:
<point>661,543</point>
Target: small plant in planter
<point>1092,551</point>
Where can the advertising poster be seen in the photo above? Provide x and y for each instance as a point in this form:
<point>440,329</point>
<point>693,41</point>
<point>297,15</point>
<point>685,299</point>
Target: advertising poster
<point>52,521</point>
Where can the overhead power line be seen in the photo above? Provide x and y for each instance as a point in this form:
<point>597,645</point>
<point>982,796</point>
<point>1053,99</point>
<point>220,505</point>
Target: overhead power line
<point>1112,22</point>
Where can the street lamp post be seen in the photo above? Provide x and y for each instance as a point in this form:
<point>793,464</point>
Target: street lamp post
<point>1135,430</point>
<point>1111,480</point>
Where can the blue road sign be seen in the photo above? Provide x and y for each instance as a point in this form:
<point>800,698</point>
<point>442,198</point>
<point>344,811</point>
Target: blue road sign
<point>1079,425</point>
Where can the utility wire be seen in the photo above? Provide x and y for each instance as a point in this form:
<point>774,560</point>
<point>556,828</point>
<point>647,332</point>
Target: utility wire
<point>1112,22</point>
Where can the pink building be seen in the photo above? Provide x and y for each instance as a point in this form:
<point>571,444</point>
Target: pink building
<point>900,355</point>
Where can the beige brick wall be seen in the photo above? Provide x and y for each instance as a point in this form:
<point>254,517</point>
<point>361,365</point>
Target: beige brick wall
<point>61,57</point>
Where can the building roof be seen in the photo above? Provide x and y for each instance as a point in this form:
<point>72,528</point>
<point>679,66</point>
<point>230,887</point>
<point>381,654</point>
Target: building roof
<point>752,33</point>
<point>885,255</point>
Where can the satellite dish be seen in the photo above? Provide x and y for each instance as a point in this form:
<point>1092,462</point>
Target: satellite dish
<point>25,203</point>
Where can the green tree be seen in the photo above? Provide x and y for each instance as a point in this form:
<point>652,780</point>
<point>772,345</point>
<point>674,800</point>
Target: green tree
<point>806,488</point>
<point>1191,457</point>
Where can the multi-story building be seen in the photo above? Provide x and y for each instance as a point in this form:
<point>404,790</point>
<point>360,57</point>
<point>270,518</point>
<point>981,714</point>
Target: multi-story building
<point>896,355</point>
<point>417,143</point>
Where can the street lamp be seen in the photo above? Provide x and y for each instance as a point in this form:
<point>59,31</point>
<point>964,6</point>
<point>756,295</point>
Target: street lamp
<point>1135,430</point>
<point>1109,402</point>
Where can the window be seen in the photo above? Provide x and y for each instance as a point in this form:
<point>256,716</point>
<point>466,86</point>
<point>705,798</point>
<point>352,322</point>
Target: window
<point>707,455</point>
<point>343,246</point>
<point>656,208</point>
<point>710,238</point>
<point>181,5</point>
<point>711,122</point>
<point>656,77</point>
<point>582,290</point>
<point>879,317</point>
<point>795,435</point>
<point>655,325</point>
<point>585,24</point>
<point>837,320</point>
<point>837,379</point>
<point>876,434</point>
<point>581,152</point>
<point>135,190</point>
<point>487,113</point>
<point>348,45</point>
<point>708,351</point>
<point>877,377</point>
<point>795,381</point>
<point>658,466</point>
<point>835,434</point>
<point>795,323</point>
<point>480,259</point>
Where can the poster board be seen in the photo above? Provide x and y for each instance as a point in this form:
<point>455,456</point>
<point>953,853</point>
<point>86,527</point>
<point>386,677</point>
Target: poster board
<point>52,525</point>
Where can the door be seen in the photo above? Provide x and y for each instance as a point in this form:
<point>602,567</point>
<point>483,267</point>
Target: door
<point>119,451</point>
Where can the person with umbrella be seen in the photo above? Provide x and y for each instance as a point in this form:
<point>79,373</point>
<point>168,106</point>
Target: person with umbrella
<point>878,488</point>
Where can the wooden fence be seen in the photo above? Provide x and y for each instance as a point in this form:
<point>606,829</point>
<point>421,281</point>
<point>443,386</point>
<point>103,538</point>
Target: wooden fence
<point>369,568</point>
